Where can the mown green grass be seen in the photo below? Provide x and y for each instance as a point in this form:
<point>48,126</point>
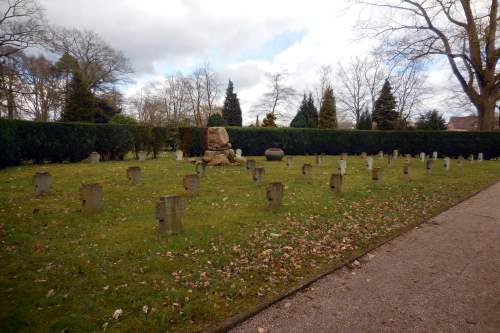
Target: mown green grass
<point>233,253</point>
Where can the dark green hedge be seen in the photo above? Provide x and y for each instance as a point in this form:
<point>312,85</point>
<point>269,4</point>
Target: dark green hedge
<point>254,141</point>
<point>57,142</point>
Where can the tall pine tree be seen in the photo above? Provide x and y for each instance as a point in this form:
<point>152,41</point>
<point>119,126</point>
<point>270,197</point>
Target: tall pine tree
<point>307,114</point>
<point>328,110</point>
<point>365,120</point>
<point>384,112</point>
<point>231,110</point>
<point>79,103</point>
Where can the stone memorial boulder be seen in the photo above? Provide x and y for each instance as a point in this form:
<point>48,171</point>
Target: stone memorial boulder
<point>219,150</point>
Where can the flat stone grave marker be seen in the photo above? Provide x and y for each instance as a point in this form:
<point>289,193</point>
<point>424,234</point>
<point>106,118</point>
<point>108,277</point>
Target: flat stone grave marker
<point>274,195</point>
<point>342,167</point>
<point>42,182</point>
<point>91,197</point>
<point>336,183</point>
<point>306,170</point>
<point>435,155</point>
<point>169,210</point>
<point>480,157</point>
<point>95,157</point>
<point>422,157</point>
<point>142,155</point>
<point>407,171</point>
<point>258,175</point>
<point>191,184</point>
<point>239,152</point>
<point>364,155</point>
<point>380,154</point>
<point>250,165</point>
<point>369,163</point>
<point>395,154</point>
<point>289,161</point>
<point>460,161</point>
<point>179,155</point>
<point>377,176</point>
<point>471,158</point>
<point>429,164</point>
<point>201,169</point>
<point>134,175</point>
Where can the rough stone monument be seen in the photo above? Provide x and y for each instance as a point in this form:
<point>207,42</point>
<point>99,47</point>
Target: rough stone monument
<point>91,197</point>
<point>134,175</point>
<point>95,157</point>
<point>169,210</point>
<point>274,194</point>
<point>218,148</point>
<point>42,182</point>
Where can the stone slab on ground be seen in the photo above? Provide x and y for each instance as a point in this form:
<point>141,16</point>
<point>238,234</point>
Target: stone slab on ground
<point>443,276</point>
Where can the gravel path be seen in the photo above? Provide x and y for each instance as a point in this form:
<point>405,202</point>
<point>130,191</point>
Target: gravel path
<point>443,276</point>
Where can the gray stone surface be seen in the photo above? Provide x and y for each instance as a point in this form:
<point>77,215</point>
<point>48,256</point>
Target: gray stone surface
<point>443,276</point>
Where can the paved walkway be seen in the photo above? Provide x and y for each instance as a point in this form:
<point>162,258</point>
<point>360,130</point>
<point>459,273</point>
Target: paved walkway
<point>443,276</point>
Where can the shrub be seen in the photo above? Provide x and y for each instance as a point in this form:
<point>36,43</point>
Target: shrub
<point>113,141</point>
<point>254,141</point>
<point>121,119</point>
<point>216,120</point>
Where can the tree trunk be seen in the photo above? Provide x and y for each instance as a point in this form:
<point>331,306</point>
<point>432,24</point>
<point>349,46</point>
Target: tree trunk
<point>486,113</point>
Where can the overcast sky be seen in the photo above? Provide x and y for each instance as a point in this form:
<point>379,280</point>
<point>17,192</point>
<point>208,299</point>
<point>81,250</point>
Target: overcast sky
<point>242,39</point>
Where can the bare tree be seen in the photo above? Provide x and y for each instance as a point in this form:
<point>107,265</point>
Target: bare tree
<point>353,92</point>
<point>279,95</point>
<point>196,92</point>
<point>212,85</point>
<point>101,65</point>
<point>463,31</point>
<point>21,25</point>
<point>325,80</point>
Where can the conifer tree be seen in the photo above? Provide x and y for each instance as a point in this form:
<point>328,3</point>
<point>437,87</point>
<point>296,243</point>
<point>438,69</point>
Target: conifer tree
<point>328,110</point>
<point>384,112</point>
<point>80,103</point>
<point>307,114</point>
<point>216,120</point>
<point>365,120</point>
<point>231,111</point>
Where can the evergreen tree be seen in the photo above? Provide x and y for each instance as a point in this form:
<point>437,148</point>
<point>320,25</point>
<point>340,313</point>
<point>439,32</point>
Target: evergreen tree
<point>231,110</point>
<point>216,120</point>
<point>328,110</point>
<point>307,114</point>
<point>384,112</point>
<point>80,103</point>
<point>431,121</point>
<point>365,120</point>
<point>269,121</point>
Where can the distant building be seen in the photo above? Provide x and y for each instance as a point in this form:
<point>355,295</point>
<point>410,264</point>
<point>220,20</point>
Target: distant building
<point>467,123</point>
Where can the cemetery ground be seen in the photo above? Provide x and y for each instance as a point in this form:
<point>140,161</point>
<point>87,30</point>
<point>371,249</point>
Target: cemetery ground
<point>65,271</point>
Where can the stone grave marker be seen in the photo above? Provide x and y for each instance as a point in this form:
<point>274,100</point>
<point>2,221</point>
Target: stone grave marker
<point>250,165</point>
<point>258,175</point>
<point>239,152</point>
<point>169,210</point>
<point>435,155</point>
<point>380,154</point>
<point>274,194</point>
<point>377,176</point>
<point>201,169</point>
<point>480,157</point>
<point>343,156</point>
<point>429,165</point>
<point>407,171</point>
<point>289,161</point>
<point>307,170</point>
<point>460,161</point>
<point>336,183</point>
<point>95,157</point>
<point>179,155</point>
<point>191,184</point>
<point>446,164</point>
<point>471,158</point>
<point>91,197</point>
<point>42,182</point>
<point>369,163</point>
<point>422,157</point>
<point>408,157</point>
<point>134,175</point>
<point>142,155</point>
<point>318,160</point>
<point>390,160</point>
<point>364,155</point>
<point>342,167</point>
<point>395,154</point>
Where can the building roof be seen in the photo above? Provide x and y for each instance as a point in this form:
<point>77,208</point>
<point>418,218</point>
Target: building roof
<point>467,123</point>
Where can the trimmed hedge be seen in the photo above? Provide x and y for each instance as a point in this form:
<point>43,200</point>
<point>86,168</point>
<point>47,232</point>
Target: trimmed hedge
<point>57,142</point>
<point>254,141</point>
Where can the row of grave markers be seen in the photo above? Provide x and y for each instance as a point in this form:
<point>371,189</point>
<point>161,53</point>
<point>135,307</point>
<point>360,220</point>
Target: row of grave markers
<point>168,209</point>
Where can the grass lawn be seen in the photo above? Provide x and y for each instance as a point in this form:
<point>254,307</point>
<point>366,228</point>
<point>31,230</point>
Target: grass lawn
<point>64,271</point>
